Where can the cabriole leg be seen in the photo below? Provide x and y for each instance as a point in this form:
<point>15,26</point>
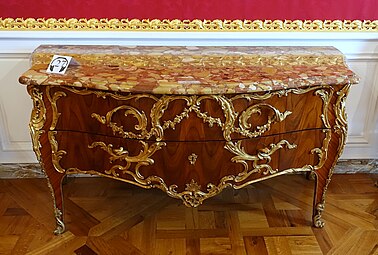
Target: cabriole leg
<point>54,181</point>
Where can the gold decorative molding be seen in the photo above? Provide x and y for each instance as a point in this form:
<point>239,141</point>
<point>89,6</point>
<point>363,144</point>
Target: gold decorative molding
<point>196,25</point>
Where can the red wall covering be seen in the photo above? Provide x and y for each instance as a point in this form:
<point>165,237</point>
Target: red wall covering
<point>193,9</point>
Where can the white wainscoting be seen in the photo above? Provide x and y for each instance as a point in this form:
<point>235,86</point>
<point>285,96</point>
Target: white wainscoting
<point>361,50</point>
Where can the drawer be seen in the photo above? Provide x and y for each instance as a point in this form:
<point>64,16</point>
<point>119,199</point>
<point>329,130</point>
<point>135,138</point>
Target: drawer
<point>189,118</point>
<point>178,167</point>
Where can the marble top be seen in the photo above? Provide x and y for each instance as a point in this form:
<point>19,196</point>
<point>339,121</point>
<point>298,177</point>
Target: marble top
<point>191,70</point>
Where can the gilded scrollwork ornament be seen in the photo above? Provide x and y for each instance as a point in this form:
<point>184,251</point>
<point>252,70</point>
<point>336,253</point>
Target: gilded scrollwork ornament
<point>56,154</point>
<point>323,151</point>
<point>263,155</point>
<point>120,154</point>
<point>37,119</point>
<point>244,126</point>
<point>193,195</point>
<point>53,98</point>
<point>326,97</point>
<point>128,110</point>
<point>193,104</point>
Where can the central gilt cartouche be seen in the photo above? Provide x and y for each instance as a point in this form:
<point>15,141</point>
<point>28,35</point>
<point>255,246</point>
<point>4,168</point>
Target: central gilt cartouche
<point>190,121</point>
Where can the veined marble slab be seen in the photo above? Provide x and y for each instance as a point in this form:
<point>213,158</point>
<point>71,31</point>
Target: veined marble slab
<point>191,70</point>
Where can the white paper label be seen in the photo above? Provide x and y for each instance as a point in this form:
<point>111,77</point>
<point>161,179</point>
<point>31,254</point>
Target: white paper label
<point>59,64</point>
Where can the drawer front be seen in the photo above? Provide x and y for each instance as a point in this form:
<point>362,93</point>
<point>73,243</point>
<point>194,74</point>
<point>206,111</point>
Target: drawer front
<point>188,118</point>
<point>192,171</point>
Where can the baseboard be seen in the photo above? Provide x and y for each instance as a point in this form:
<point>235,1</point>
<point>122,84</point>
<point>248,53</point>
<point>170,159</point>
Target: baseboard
<point>33,170</point>
<point>353,166</point>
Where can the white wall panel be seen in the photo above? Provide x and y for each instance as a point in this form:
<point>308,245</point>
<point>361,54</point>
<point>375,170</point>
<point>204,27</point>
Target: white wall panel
<point>362,139</point>
<point>361,50</point>
<point>15,106</point>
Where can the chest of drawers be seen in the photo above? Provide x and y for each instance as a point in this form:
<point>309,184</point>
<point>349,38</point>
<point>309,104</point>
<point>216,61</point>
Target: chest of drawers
<point>190,121</point>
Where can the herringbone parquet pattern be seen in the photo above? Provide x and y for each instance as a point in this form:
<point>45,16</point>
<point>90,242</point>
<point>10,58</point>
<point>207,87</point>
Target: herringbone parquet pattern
<point>110,217</point>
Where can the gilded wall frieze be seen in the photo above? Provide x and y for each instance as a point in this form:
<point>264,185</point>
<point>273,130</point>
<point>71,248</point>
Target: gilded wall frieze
<point>176,25</point>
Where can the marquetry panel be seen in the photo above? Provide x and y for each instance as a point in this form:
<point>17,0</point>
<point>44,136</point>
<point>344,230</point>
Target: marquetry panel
<point>271,217</point>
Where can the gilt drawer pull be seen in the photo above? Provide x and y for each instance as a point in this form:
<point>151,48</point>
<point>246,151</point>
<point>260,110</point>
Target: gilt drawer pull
<point>192,158</point>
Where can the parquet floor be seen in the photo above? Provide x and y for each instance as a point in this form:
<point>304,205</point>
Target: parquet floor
<point>104,216</point>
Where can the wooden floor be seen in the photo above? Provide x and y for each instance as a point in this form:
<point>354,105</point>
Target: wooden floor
<point>104,216</point>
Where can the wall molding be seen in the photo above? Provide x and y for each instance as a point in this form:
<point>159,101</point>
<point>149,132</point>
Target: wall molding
<point>177,25</point>
<point>366,57</point>
<point>347,42</point>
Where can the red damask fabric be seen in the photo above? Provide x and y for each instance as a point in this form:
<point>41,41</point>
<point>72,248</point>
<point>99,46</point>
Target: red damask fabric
<point>193,9</point>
